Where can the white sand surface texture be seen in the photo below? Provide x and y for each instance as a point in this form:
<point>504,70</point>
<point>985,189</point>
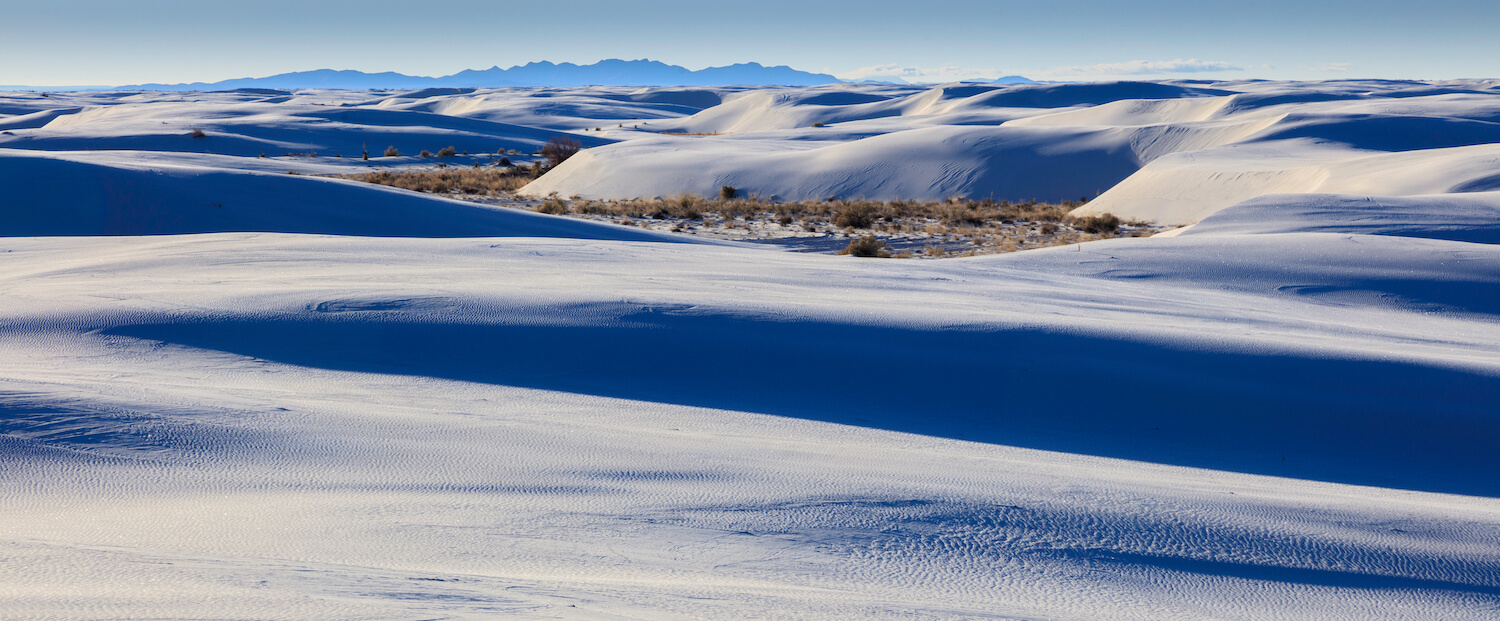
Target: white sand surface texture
<point>229,392</point>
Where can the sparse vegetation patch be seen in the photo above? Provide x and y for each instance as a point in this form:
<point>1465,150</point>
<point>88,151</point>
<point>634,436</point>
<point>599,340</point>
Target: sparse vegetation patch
<point>464,182</point>
<point>931,229</point>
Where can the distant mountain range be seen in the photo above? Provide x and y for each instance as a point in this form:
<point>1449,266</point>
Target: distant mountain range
<point>605,72</point>
<point>611,72</point>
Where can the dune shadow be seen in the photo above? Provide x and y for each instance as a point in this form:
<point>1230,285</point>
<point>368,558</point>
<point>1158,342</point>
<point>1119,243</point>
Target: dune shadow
<point>1299,575</point>
<point>31,424</point>
<point>1350,421</point>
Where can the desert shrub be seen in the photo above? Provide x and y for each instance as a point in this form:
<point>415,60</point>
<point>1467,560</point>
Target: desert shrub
<point>818,124</point>
<point>447,152</point>
<point>728,192</point>
<point>867,246</point>
<point>392,152</point>
<point>560,148</point>
<point>687,208</point>
<point>425,153</point>
<point>735,210</point>
<point>1102,223</point>
<point>963,214</point>
<point>197,133</point>
<point>856,215</point>
<point>505,161</point>
<point>555,206</point>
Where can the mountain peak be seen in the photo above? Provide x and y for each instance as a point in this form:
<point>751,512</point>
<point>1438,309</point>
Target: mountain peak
<point>608,72</point>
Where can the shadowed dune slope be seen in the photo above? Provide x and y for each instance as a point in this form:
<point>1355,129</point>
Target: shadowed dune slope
<point>53,196</point>
<point>1262,412</point>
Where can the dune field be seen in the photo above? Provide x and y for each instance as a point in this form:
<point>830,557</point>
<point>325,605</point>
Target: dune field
<point>234,385</point>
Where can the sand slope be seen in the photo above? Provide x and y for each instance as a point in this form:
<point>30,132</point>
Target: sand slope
<point>229,392</point>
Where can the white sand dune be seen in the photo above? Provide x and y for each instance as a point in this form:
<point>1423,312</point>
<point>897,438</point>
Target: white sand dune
<point>560,109</point>
<point>272,126</point>
<point>1157,152</point>
<point>228,392</point>
<point>926,163</point>
<point>1187,187</point>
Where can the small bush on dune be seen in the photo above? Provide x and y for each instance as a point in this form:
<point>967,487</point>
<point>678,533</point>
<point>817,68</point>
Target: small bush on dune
<point>560,148</point>
<point>867,246</point>
<point>447,152</point>
<point>554,206</point>
<point>1102,223</point>
<point>425,153</point>
<point>197,133</point>
<point>728,192</point>
<point>392,152</point>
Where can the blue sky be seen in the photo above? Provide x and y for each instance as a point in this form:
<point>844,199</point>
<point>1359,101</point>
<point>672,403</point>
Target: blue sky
<point>70,42</point>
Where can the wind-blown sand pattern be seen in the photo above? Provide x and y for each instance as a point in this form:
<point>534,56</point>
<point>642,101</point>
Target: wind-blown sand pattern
<point>230,392</point>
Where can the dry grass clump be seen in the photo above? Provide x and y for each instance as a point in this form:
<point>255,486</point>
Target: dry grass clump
<point>867,246</point>
<point>1102,223</point>
<point>465,181</point>
<point>860,215</point>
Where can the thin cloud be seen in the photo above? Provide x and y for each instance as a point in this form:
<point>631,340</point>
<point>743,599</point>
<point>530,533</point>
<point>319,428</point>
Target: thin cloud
<point>1148,67</point>
<point>919,74</point>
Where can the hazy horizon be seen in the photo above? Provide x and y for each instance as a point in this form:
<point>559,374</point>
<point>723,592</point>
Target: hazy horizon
<point>173,41</point>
